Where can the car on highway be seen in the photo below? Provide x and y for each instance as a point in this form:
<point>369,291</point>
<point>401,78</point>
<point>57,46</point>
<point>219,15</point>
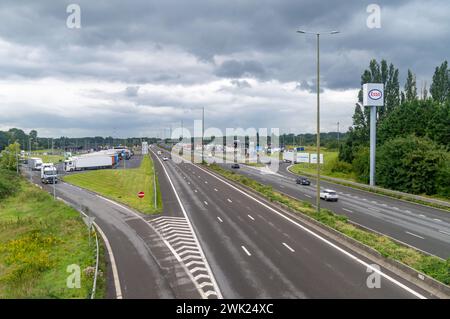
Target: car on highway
<point>235,165</point>
<point>165,158</point>
<point>302,181</point>
<point>329,195</point>
<point>159,152</point>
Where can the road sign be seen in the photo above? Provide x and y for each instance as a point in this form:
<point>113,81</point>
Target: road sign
<point>373,94</point>
<point>141,194</point>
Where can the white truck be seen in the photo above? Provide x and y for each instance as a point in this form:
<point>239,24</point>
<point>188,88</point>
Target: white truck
<point>35,163</point>
<point>88,162</point>
<point>289,157</point>
<point>49,173</point>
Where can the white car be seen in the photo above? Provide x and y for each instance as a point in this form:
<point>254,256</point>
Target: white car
<point>165,158</point>
<point>159,152</point>
<point>329,195</point>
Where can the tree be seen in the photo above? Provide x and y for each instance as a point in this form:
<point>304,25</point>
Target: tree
<point>440,87</point>
<point>411,164</point>
<point>410,87</point>
<point>360,164</point>
<point>9,157</point>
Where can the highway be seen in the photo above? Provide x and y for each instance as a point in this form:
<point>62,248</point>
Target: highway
<point>422,227</point>
<point>256,251</point>
<point>145,267</point>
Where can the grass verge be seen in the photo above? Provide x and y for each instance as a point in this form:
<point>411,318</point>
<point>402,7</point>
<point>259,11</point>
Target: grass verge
<point>123,185</point>
<point>432,266</point>
<point>39,239</point>
<point>299,171</point>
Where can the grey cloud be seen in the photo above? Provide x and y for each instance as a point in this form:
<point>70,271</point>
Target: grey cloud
<point>132,91</point>
<point>238,69</point>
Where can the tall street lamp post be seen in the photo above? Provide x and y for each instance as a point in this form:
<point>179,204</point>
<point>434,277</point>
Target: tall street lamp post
<point>318,107</point>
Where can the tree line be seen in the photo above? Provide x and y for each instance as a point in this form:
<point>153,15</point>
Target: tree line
<point>413,132</point>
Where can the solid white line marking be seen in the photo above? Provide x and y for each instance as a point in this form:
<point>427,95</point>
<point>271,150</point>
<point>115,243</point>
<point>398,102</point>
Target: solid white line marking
<point>307,196</point>
<point>414,235</point>
<point>246,251</point>
<point>220,219</point>
<point>229,200</point>
<point>203,257</point>
<point>347,210</point>
<point>250,217</point>
<point>287,246</point>
<point>343,251</point>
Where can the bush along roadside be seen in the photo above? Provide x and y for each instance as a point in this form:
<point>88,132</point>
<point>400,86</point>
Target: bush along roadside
<point>432,266</point>
<point>44,248</point>
<point>379,191</point>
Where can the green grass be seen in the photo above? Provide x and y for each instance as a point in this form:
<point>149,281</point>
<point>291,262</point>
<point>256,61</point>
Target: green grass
<point>328,167</point>
<point>39,238</point>
<point>123,185</point>
<point>432,266</point>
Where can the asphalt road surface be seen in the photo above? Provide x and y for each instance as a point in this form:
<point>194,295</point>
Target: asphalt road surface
<point>420,226</point>
<point>146,268</point>
<point>255,251</point>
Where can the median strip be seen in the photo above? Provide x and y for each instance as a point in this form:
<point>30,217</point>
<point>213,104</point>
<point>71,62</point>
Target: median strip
<point>432,266</point>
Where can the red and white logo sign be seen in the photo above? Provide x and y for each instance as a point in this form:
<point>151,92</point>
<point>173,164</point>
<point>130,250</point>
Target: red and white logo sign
<point>375,94</point>
<point>141,194</point>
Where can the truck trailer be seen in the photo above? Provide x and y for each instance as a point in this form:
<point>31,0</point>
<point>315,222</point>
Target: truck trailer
<point>35,163</point>
<point>49,174</point>
<point>89,162</point>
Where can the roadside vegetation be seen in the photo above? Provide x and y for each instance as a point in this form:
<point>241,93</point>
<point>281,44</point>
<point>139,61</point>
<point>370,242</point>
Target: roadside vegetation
<point>123,185</point>
<point>331,167</point>
<point>432,266</point>
<point>39,239</point>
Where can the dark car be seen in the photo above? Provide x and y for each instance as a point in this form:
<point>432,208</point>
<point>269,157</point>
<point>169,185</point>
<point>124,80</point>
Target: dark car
<point>235,165</point>
<point>303,181</point>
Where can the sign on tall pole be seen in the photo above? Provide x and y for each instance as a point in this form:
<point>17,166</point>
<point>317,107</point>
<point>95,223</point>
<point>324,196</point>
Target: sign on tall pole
<point>373,96</point>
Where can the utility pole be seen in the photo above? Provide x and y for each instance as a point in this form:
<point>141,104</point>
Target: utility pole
<point>338,134</point>
<point>203,134</point>
<point>318,125</point>
<point>318,110</point>
<point>29,157</point>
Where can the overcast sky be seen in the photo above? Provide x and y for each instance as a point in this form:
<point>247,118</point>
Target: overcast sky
<point>138,67</point>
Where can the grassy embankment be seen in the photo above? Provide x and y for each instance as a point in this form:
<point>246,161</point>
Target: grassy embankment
<point>328,167</point>
<point>47,157</point>
<point>39,238</point>
<point>429,265</point>
<point>123,185</point>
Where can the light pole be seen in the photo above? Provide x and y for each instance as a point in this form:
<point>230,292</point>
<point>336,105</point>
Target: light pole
<point>318,108</point>
<point>338,134</point>
<point>203,134</point>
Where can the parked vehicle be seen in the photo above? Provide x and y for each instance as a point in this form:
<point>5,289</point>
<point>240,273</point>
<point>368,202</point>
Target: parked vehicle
<point>329,195</point>
<point>49,173</point>
<point>35,163</point>
<point>235,165</point>
<point>303,181</point>
<point>89,162</point>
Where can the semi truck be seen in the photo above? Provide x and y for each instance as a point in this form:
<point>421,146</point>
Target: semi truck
<point>35,163</point>
<point>89,162</point>
<point>49,173</point>
<point>289,157</point>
